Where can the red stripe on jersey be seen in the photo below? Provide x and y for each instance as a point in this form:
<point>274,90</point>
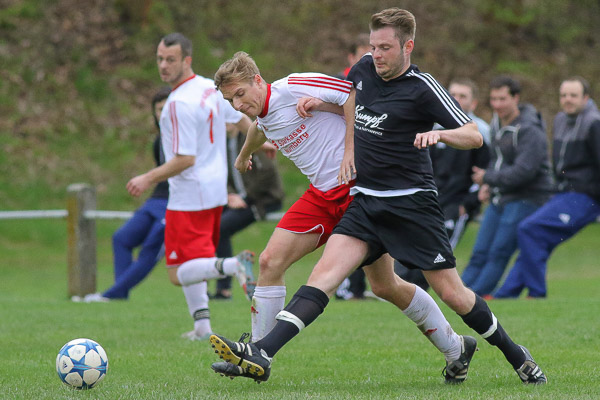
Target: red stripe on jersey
<point>210,119</point>
<point>175,125</point>
<point>266,105</point>
<point>182,82</point>
<point>336,83</point>
<point>323,86</point>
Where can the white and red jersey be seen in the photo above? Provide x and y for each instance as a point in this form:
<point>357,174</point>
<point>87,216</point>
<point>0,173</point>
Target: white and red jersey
<point>315,144</point>
<point>192,123</point>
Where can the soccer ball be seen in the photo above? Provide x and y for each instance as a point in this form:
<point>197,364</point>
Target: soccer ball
<point>81,363</point>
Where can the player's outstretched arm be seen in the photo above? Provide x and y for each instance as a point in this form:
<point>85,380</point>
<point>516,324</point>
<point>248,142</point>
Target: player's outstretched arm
<point>254,140</point>
<point>464,138</point>
<point>307,104</point>
<point>348,169</point>
<point>139,184</point>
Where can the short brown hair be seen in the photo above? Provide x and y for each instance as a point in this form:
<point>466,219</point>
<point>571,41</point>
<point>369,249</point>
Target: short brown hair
<point>468,83</point>
<point>239,68</point>
<point>402,21</point>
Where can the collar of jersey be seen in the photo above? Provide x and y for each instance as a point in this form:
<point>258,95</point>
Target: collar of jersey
<point>190,78</point>
<point>266,106</point>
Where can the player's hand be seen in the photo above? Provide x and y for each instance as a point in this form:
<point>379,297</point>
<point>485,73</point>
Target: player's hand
<point>306,104</point>
<point>477,175</point>
<point>234,200</point>
<point>423,140</point>
<point>484,193</point>
<point>269,149</point>
<point>138,185</point>
<point>347,169</point>
<point>243,164</point>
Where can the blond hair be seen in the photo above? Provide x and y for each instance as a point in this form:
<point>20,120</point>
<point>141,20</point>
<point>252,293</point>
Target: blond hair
<point>402,21</point>
<point>239,68</point>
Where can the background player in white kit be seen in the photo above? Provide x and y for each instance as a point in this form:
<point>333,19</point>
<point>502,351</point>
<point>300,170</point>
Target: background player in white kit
<point>316,145</point>
<point>193,134</point>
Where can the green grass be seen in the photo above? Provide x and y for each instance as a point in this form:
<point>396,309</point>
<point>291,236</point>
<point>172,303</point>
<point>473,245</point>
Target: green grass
<point>356,350</point>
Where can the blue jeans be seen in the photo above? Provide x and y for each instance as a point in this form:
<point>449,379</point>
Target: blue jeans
<point>495,244</point>
<point>560,218</point>
<point>146,229</point>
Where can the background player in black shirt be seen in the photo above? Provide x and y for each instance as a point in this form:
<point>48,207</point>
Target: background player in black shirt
<point>395,209</point>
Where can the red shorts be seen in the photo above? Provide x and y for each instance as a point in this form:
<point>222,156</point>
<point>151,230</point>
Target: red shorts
<point>191,234</point>
<point>317,212</point>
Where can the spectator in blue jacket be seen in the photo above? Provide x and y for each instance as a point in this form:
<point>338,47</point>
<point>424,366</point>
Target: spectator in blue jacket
<point>146,229</point>
<point>517,181</point>
<point>576,159</point>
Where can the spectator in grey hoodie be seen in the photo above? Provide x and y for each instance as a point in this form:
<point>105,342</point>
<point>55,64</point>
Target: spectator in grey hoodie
<point>576,159</point>
<point>516,182</point>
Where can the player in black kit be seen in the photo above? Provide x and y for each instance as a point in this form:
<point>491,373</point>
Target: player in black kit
<point>395,209</point>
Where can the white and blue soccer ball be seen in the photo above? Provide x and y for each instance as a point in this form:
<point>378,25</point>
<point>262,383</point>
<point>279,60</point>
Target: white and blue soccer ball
<point>81,363</point>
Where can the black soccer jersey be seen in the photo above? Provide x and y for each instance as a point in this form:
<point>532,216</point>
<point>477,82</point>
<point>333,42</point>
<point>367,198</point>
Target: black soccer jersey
<point>388,116</point>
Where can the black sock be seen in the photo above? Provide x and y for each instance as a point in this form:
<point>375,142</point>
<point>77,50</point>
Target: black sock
<point>306,305</point>
<point>481,320</point>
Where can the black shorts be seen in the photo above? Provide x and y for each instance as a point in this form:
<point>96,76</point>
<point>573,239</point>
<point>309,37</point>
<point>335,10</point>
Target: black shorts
<point>410,228</point>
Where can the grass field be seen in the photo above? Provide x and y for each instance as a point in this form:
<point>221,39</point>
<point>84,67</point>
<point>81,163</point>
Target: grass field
<point>356,350</point>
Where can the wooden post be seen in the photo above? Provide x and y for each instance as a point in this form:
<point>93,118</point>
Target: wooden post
<point>81,233</point>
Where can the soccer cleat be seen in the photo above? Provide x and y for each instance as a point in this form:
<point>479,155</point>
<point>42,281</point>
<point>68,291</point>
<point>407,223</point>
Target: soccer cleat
<point>252,360</point>
<point>244,273</point>
<point>194,337</point>
<point>233,371</point>
<point>456,371</point>
<point>530,372</point>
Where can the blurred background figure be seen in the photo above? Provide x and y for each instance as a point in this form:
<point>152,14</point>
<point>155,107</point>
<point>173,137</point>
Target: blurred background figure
<point>146,229</point>
<point>517,181</point>
<point>452,169</point>
<point>576,159</point>
<point>251,196</point>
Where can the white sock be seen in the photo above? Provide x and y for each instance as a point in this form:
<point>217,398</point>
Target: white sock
<point>230,265</point>
<point>266,304</point>
<point>424,312</point>
<point>197,270</point>
<point>197,301</point>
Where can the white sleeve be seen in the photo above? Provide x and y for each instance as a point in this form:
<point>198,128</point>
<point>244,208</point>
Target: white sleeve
<point>184,123</point>
<point>320,86</point>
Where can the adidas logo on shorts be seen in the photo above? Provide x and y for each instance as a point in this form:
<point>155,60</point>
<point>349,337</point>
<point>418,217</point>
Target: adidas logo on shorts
<point>439,259</point>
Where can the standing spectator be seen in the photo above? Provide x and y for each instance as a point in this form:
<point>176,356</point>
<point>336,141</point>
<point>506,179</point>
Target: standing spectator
<point>146,228</point>
<point>193,132</point>
<point>452,169</point>
<point>395,210</point>
<point>576,158</point>
<point>250,197</point>
<point>359,47</point>
<point>517,180</point>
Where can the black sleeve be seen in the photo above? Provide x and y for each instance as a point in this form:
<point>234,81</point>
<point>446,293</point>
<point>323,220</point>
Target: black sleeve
<point>438,106</point>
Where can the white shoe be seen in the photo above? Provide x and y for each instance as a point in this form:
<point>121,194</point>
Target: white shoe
<point>95,298</point>
<point>193,336</point>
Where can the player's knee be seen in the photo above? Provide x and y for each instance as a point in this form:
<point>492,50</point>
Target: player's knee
<point>454,298</point>
<point>173,276</point>
<point>269,264</point>
<point>385,291</point>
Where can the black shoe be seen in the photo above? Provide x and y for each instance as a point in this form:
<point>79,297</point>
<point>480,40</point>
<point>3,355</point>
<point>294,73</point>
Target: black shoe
<point>233,371</point>
<point>219,296</point>
<point>456,371</point>
<point>254,361</point>
<point>530,372</point>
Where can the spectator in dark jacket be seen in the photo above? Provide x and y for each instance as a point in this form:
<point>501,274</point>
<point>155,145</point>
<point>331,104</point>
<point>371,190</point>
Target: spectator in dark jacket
<point>452,168</point>
<point>576,158</point>
<point>517,181</point>
<point>250,197</point>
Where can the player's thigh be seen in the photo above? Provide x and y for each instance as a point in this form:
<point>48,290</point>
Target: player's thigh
<point>285,247</point>
<point>342,255</point>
